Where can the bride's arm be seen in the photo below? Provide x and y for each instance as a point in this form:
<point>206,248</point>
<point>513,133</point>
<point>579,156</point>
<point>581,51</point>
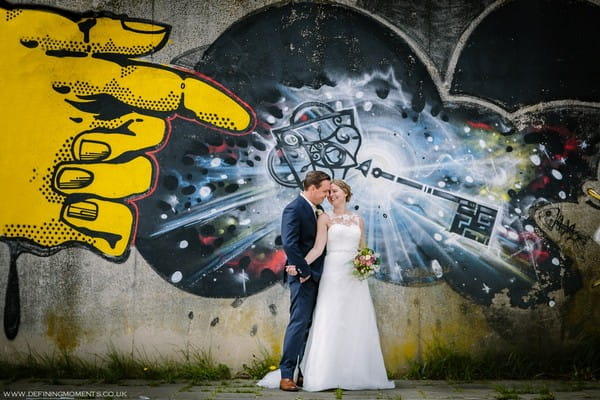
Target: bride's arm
<point>320,240</point>
<point>363,243</point>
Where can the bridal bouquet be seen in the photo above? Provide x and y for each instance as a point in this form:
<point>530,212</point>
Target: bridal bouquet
<point>366,263</point>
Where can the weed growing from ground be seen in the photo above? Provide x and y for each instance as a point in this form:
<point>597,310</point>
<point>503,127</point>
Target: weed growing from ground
<point>260,366</point>
<point>196,367</point>
<point>577,362</point>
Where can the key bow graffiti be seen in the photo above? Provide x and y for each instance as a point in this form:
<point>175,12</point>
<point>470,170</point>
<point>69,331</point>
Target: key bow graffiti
<point>318,137</point>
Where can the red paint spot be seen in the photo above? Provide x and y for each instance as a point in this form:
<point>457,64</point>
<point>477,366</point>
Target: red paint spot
<point>207,240</point>
<point>218,149</point>
<point>538,252</point>
<point>273,261</point>
<point>571,145</point>
<point>480,125</point>
<point>539,183</point>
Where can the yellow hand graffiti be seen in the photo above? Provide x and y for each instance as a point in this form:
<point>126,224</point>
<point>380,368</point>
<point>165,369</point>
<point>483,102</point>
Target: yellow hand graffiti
<point>80,116</point>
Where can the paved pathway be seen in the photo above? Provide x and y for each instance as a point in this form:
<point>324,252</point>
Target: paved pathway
<point>240,389</point>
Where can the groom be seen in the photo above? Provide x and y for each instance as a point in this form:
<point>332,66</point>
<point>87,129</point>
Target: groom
<point>298,232</point>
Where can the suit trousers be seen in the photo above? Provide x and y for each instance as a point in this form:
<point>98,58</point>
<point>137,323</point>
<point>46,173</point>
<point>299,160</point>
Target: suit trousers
<point>303,297</point>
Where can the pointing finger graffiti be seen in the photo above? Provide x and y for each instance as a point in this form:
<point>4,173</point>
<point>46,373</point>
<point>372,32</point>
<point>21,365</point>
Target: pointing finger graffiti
<point>64,153</point>
<point>82,118</point>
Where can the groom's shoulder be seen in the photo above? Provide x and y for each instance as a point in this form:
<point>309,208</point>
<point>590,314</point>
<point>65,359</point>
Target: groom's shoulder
<point>295,201</point>
<point>294,204</point>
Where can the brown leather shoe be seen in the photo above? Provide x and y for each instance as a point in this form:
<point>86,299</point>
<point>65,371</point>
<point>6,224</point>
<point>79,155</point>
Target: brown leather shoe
<point>300,382</point>
<point>287,385</point>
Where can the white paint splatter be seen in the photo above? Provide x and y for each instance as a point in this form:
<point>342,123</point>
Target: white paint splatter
<point>183,244</point>
<point>176,277</point>
<point>437,269</point>
<point>535,159</point>
<point>437,236</point>
<point>529,228</point>
<point>215,162</point>
<point>486,288</point>
<point>557,174</point>
<point>204,191</point>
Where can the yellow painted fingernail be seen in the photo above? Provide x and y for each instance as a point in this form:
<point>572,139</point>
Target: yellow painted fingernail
<point>91,150</point>
<point>142,27</point>
<point>83,210</point>
<point>74,178</point>
<point>593,193</point>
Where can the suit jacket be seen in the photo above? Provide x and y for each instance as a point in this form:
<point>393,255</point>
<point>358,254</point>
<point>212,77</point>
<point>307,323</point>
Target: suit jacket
<point>298,233</point>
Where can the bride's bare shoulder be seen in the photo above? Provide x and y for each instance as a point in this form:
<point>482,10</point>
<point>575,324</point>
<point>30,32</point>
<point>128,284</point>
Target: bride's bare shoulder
<point>324,217</point>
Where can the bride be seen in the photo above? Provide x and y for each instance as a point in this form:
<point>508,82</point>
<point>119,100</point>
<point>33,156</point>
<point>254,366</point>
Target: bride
<point>343,349</point>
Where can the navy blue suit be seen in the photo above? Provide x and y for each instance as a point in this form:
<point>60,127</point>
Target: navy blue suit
<point>298,233</point>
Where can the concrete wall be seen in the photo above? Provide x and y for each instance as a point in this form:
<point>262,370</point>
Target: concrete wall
<point>144,166</point>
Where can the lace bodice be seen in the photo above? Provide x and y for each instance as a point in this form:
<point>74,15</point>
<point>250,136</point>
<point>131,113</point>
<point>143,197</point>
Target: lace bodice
<point>343,233</point>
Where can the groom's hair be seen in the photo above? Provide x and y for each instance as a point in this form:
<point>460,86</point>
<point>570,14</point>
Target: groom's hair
<point>315,178</point>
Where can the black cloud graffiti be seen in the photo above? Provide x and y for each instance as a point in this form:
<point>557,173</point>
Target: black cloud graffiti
<point>444,179</point>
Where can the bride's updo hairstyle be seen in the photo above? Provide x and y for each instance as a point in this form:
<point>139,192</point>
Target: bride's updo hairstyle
<point>344,186</point>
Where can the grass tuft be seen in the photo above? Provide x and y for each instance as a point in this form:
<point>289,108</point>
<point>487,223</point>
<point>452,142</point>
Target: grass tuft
<point>259,367</point>
<point>113,367</point>
<point>576,362</point>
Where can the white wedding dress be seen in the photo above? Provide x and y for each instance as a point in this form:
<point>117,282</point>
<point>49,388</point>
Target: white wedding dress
<point>343,348</point>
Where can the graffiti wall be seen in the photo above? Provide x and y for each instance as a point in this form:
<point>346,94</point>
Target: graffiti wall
<point>472,152</point>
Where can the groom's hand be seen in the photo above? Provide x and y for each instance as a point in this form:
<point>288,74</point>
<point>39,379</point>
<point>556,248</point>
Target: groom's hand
<point>291,270</point>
